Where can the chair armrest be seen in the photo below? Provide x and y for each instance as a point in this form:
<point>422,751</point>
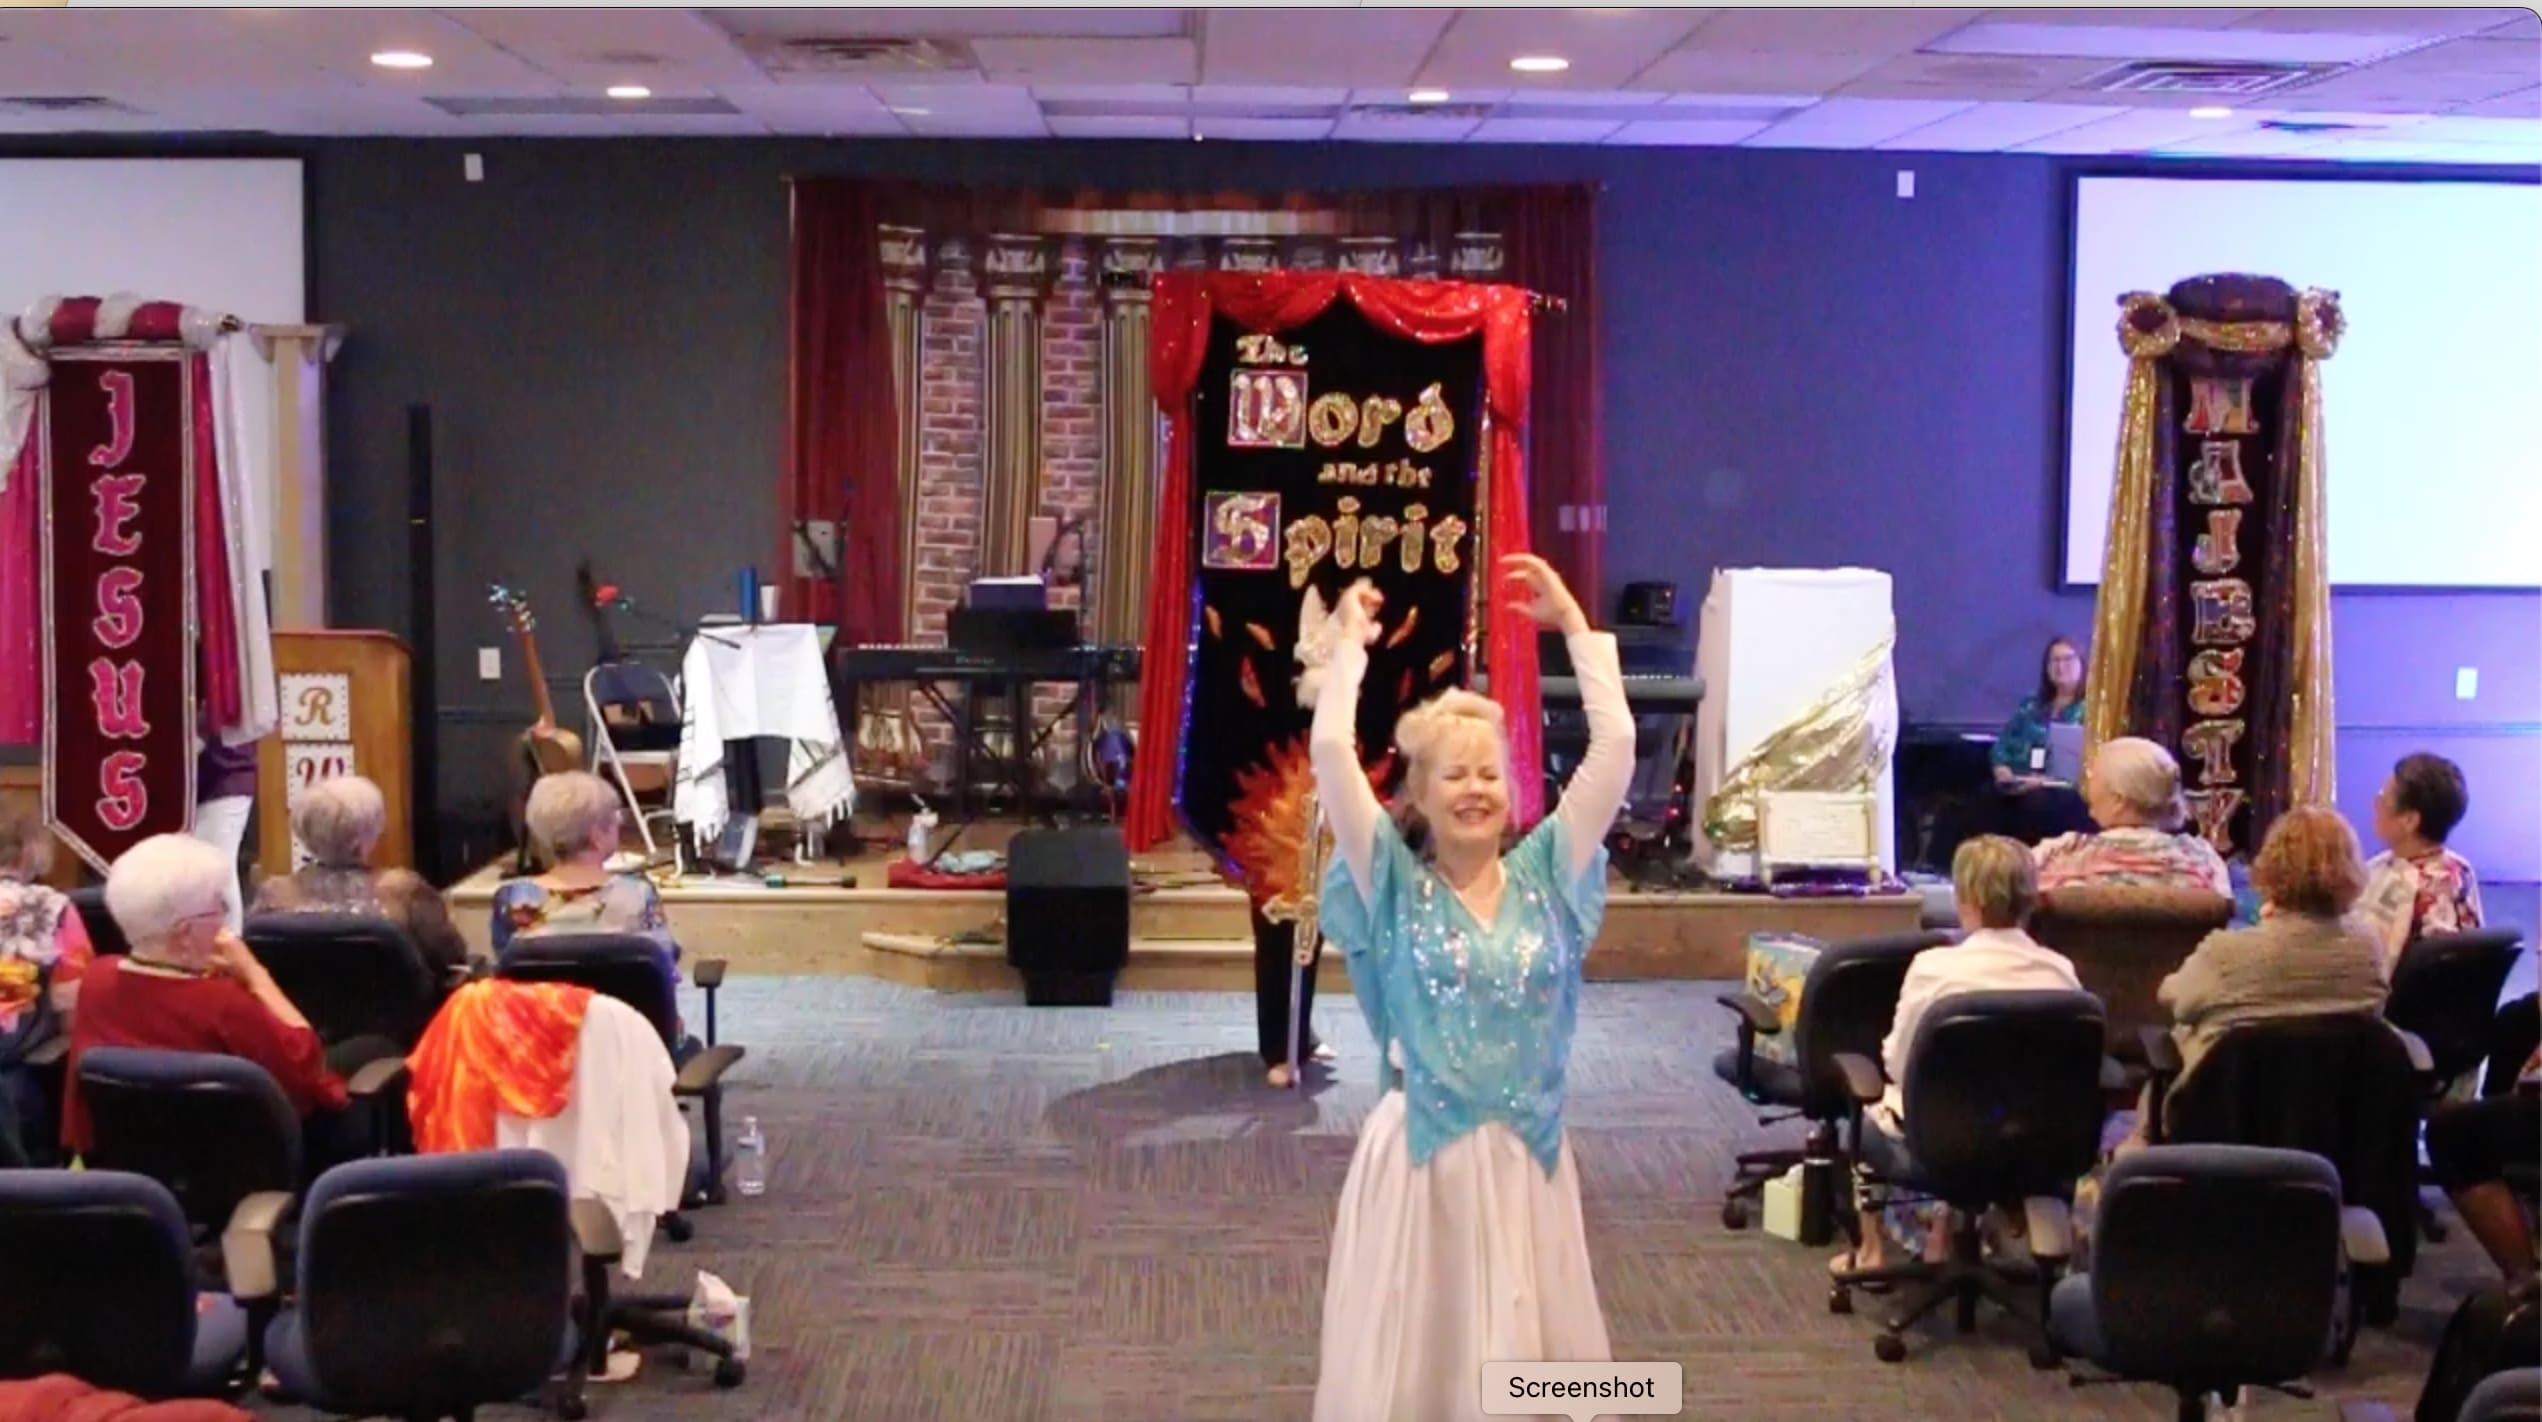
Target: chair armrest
<point>2352,1410</point>
<point>596,1231</point>
<point>1753,1014</point>
<point>247,1244</point>
<point>2049,1225</point>
<point>701,1073</point>
<point>2422,1060</point>
<point>1862,1076</point>
<point>375,1076</point>
<point>707,973</point>
<point>2162,1054</point>
<point>2361,1236</point>
<point>2113,1075</point>
<point>50,1050</point>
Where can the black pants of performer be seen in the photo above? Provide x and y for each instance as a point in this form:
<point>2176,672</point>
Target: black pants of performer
<point>2511,1044</point>
<point>1273,944</point>
<point>2473,1142</point>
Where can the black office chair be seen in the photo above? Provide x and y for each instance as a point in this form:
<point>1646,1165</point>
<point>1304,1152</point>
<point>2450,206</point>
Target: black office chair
<point>352,977</point>
<point>101,1285</point>
<point>213,1129</point>
<point>2512,1396</point>
<point>2347,1088</point>
<point>2214,1268</point>
<point>628,967</point>
<point>2445,990</point>
<point>1848,998</point>
<point>105,935</point>
<point>429,1286</point>
<point>2004,1097</point>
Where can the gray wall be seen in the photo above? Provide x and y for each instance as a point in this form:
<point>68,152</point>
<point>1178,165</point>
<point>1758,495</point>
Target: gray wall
<point>1801,369</point>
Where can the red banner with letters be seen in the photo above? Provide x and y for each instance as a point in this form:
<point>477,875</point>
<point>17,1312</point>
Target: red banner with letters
<point>118,506</point>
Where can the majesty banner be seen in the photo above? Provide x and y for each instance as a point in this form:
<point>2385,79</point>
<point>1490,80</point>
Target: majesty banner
<point>1327,452</point>
<point>2213,630</point>
<point>118,507</point>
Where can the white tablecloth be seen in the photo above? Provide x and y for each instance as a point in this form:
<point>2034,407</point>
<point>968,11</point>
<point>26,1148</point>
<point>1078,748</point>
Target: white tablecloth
<point>742,682</point>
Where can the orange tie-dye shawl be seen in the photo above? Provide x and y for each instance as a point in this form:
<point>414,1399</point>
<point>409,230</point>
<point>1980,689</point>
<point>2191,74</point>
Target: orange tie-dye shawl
<point>496,1046</point>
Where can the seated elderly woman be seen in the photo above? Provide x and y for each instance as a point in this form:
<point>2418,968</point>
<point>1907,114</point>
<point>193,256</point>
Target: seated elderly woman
<point>44,951</point>
<point>574,821</point>
<point>2133,790</point>
<point>2305,957</point>
<point>339,820</point>
<point>191,985</point>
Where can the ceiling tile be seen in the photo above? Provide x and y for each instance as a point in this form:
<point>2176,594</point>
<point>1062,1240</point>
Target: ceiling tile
<point>1963,76</point>
<point>1708,72</point>
<point>1175,94</point>
<point>1861,30</point>
<point>951,23</point>
<point>975,99</point>
<point>1608,49</point>
<point>1685,133</point>
<point>1117,126</point>
<point>2138,130</point>
<point>658,48</point>
<point>2140,40</point>
<point>2523,103</point>
<point>1854,123</point>
<point>1543,130</point>
<point>1992,128</point>
<point>1272,96</point>
<point>2249,143</point>
<point>1353,48</point>
<point>2455,128</point>
<point>2396,150</point>
<point>1258,130</point>
<point>1359,127</point>
<point>1088,61</point>
<point>2176,19</point>
<point>2433,20</point>
<point>2379,87</point>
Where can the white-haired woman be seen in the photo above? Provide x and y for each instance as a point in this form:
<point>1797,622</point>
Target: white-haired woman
<point>574,820</point>
<point>191,985</point>
<point>339,821</point>
<point>1458,1241</point>
<point>2132,787</point>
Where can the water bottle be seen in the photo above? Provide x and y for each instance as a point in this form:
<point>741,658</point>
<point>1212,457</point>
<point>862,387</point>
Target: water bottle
<point>750,1159</point>
<point>921,828</point>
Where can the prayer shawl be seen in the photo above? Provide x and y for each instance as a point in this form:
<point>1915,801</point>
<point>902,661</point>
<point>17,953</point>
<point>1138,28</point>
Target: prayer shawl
<point>495,1047</point>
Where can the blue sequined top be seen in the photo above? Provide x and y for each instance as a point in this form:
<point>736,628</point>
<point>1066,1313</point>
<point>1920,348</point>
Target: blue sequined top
<point>1480,1015</point>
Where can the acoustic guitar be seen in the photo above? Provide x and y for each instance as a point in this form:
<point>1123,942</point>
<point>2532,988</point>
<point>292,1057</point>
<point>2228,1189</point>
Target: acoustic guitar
<point>545,748</point>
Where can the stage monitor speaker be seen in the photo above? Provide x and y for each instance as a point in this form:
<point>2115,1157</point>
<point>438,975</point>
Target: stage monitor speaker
<point>1068,914</point>
<point>1648,605</point>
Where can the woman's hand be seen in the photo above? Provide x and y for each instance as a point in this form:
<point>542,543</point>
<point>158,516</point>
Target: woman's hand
<point>1361,603</point>
<point>232,958</point>
<point>1539,593</point>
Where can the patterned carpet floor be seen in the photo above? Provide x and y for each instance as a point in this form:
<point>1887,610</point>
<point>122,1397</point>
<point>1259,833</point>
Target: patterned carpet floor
<point>982,1211</point>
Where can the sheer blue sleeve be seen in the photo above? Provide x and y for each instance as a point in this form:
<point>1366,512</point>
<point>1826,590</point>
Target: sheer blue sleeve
<point>1545,857</point>
<point>1353,921</point>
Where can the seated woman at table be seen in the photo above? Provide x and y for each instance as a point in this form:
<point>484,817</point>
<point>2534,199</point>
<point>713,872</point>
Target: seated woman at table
<point>2028,805</point>
<point>340,820</point>
<point>574,822</point>
<point>2133,790</point>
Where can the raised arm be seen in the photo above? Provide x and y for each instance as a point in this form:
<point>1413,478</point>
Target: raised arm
<point>1597,789</point>
<point>1332,743</point>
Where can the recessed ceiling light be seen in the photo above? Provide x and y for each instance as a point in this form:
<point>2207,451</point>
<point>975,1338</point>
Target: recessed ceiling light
<point>402,59</point>
<point>629,91</point>
<point>912,113</point>
<point>1540,64</point>
<point>2210,111</point>
<point>1427,96</point>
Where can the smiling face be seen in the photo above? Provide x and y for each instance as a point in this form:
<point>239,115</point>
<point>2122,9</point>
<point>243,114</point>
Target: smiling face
<point>2063,670</point>
<point>1462,787</point>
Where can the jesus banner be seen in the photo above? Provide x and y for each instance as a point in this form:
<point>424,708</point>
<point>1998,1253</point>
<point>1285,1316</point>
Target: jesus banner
<point>118,509</point>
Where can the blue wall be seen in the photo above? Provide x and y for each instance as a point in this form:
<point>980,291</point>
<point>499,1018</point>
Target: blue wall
<point>1802,369</point>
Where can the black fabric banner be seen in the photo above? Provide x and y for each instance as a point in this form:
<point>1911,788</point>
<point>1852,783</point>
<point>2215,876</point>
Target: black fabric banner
<point>1326,453</point>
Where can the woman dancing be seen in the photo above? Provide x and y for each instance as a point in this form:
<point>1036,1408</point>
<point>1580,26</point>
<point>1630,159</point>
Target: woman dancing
<point>1458,1241</point>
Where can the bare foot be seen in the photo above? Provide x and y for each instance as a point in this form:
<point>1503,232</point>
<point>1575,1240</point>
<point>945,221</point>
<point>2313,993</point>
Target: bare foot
<point>1281,1076</point>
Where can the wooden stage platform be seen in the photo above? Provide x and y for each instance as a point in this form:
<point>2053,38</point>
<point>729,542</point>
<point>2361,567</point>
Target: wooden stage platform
<point>1187,932</point>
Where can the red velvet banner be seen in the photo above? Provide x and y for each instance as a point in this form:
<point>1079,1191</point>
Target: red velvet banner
<point>119,606</point>
<point>1277,301</point>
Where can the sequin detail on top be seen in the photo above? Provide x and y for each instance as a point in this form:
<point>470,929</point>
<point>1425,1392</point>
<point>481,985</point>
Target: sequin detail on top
<point>1480,1016</point>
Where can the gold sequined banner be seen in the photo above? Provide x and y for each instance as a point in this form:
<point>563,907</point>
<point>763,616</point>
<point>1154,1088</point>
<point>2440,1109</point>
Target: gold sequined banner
<point>1840,742</point>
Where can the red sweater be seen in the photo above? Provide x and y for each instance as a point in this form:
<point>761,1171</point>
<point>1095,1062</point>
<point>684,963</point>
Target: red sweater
<point>120,1008</point>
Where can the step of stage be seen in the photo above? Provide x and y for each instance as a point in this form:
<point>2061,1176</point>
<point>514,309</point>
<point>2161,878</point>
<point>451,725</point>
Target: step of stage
<point>1156,965</point>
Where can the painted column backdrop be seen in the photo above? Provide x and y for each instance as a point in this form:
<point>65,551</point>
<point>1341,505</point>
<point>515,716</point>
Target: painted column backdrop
<point>658,272</point>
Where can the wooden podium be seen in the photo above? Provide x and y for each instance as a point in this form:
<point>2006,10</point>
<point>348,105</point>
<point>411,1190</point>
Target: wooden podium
<point>344,712</point>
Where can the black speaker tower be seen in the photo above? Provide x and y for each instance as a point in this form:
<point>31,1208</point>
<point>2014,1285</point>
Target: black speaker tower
<point>1068,914</point>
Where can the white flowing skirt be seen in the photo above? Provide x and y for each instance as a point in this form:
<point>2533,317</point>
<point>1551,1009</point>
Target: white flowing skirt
<point>1477,1257</point>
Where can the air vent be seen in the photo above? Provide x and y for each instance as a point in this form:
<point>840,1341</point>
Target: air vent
<point>2301,126</point>
<point>856,55</point>
<point>570,106</point>
<point>1414,113</point>
<point>66,104</point>
<point>2236,80</point>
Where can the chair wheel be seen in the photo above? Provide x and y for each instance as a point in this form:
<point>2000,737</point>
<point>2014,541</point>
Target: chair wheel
<point>1889,1348</point>
<point>1734,1213</point>
<point>678,1229</point>
<point>1840,1300</point>
<point>731,1372</point>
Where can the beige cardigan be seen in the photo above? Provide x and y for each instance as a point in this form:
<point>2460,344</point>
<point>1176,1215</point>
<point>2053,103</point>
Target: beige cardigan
<point>2287,965</point>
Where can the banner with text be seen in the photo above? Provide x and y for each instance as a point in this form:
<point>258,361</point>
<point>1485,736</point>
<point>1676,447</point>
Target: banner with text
<point>1326,453</point>
<point>119,634</point>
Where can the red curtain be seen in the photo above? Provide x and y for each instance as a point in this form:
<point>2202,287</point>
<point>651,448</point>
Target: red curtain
<point>841,435</point>
<point>1427,311</point>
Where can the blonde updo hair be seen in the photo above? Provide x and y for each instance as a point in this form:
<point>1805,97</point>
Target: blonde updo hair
<point>1422,732</point>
